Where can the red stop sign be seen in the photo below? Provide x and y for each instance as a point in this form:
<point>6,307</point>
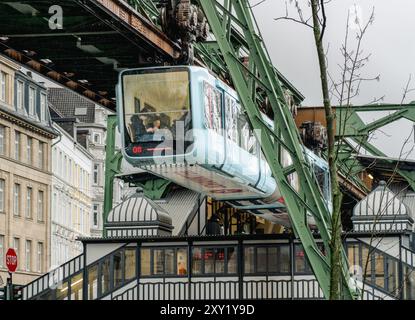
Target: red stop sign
<point>11,260</point>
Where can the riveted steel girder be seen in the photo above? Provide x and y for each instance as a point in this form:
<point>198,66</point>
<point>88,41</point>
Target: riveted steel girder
<point>224,18</point>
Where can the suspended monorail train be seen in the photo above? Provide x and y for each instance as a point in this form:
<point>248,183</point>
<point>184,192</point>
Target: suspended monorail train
<point>185,125</point>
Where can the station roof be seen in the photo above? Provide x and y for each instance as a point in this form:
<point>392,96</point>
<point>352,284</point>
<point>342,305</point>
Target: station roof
<point>386,163</point>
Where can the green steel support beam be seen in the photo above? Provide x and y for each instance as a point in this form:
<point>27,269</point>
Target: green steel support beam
<point>261,74</point>
<point>146,8</point>
<point>113,160</point>
<point>156,189</point>
<point>350,125</point>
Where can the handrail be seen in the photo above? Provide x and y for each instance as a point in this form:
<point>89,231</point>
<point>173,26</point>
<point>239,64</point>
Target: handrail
<point>404,256</point>
<point>401,261</point>
<point>58,274</point>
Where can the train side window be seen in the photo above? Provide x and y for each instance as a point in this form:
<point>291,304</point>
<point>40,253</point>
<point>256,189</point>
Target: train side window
<point>237,126</point>
<point>321,179</point>
<point>243,130</point>
<point>213,107</point>
<point>231,110</point>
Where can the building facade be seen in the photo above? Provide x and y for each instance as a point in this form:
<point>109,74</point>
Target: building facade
<point>25,172</point>
<point>71,197</point>
<point>89,128</point>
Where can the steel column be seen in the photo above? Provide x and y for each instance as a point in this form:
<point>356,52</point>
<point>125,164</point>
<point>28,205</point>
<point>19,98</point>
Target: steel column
<point>237,15</point>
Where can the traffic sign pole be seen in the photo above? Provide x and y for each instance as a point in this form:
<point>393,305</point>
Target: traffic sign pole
<point>9,295</point>
<point>11,263</point>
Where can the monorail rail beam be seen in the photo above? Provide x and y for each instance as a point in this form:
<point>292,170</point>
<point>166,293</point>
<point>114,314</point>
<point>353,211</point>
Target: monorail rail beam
<point>223,17</point>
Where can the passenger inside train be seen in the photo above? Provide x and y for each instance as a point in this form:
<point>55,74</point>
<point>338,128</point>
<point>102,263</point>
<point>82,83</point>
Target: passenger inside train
<point>154,104</point>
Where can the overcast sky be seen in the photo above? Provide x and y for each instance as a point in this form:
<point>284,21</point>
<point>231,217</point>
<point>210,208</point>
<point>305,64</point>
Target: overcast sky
<point>390,40</point>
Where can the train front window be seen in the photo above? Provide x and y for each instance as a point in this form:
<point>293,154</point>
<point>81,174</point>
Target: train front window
<point>156,105</point>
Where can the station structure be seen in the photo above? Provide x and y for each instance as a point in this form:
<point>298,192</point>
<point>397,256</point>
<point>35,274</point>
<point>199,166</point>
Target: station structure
<point>158,243</point>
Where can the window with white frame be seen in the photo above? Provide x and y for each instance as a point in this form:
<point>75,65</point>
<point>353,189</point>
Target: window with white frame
<point>29,199</point>
<point>32,99</point>
<point>3,86</point>
<point>2,140</point>
<point>70,171</point>
<point>41,155</point>
<point>65,167</point>
<point>20,94</point>
<point>2,194</point>
<point>17,137</point>
<point>42,107</point>
<point>1,251</point>
<point>96,174</point>
<point>83,180</point>
<point>55,207</point>
<point>29,149</point>
<point>78,224</point>
<point>95,217</point>
<point>39,267</point>
<point>69,214</point>
<point>76,178</point>
<point>40,206</point>
<point>59,171</point>
<point>16,200</point>
<point>97,138</point>
<point>16,247</point>
<point>63,214</point>
<point>28,255</point>
<point>65,218</point>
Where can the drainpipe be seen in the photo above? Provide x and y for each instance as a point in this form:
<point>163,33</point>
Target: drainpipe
<point>58,134</point>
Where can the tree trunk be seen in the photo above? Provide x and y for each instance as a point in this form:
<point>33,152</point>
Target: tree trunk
<point>336,243</point>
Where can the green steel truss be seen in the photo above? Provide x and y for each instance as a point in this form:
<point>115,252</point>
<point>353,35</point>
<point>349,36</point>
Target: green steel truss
<point>258,81</point>
<point>153,189</point>
<point>237,37</point>
<point>350,125</point>
<point>113,160</point>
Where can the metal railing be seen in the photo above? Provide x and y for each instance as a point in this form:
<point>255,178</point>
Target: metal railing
<point>408,256</point>
<point>53,278</point>
<point>225,290</point>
